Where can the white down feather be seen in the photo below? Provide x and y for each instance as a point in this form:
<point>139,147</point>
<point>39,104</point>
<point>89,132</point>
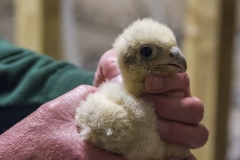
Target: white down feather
<point>118,122</point>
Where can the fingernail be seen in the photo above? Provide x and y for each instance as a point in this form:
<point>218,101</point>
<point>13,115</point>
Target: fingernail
<point>117,79</point>
<point>162,128</point>
<point>154,82</point>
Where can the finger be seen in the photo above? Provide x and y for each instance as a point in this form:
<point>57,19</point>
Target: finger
<point>174,82</point>
<point>182,134</point>
<point>117,79</point>
<point>187,110</point>
<point>107,68</point>
<point>92,153</point>
<point>192,157</point>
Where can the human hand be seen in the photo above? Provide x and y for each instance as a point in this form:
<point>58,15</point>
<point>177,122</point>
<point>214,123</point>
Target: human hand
<point>177,110</point>
<point>51,133</point>
<point>179,113</point>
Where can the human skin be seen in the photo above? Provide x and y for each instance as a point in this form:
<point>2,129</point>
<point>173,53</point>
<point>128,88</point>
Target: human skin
<point>51,133</point>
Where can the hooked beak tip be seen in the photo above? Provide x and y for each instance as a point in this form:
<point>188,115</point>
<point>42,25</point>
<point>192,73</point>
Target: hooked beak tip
<point>177,58</point>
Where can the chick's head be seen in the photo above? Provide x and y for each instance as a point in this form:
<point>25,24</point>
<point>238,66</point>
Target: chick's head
<point>147,47</point>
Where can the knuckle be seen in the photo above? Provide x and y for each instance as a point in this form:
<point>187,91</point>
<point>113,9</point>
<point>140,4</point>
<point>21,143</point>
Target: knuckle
<point>187,79</point>
<point>110,62</point>
<point>203,134</point>
<point>51,106</point>
<point>197,111</point>
<point>110,69</point>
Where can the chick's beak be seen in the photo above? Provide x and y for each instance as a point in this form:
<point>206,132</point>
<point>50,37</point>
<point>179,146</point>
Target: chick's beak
<point>176,60</point>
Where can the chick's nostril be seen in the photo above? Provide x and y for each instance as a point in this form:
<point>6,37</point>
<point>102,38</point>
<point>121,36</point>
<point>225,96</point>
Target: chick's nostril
<point>174,55</point>
<point>171,55</point>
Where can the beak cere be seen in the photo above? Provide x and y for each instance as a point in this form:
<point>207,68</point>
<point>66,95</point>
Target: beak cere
<point>175,53</point>
<point>176,60</point>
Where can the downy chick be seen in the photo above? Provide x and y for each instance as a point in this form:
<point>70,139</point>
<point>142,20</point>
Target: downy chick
<point>115,118</point>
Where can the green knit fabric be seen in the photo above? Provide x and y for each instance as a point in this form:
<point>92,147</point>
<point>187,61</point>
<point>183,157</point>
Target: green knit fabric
<point>28,79</point>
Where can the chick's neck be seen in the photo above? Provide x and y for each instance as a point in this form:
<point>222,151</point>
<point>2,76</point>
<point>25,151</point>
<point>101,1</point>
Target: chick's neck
<point>134,83</point>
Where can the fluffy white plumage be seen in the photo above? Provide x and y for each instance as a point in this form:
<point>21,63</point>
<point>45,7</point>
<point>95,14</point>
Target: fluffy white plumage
<point>115,118</point>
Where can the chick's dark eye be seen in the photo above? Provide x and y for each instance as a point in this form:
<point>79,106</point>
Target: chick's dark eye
<point>146,52</point>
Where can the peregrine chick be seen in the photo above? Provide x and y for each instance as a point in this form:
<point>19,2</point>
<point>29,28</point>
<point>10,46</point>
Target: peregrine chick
<point>115,117</point>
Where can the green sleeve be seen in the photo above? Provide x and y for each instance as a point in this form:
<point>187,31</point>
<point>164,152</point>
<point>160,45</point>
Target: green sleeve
<point>28,79</point>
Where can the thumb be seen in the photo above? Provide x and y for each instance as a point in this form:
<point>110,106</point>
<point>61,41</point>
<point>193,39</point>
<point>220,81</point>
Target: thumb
<point>178,82</point>
<point>75,96</point>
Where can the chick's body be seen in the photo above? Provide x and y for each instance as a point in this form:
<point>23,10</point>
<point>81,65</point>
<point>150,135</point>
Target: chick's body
<point>115,118</point>
<point>118,122</point>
